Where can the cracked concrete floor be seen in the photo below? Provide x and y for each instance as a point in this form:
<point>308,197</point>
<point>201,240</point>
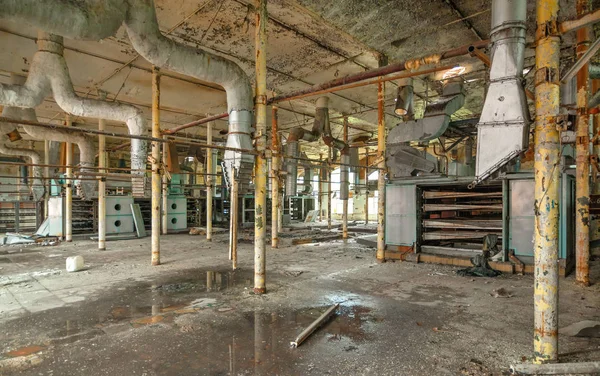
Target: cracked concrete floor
<point>194,316</point>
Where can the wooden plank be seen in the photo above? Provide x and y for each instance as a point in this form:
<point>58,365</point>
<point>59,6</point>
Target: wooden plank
<point>449,251</point>
<point>441,207</point>
<point>448,235</point>
<point>463,223</point>
<point>138,220</point>
<point>437,195</point>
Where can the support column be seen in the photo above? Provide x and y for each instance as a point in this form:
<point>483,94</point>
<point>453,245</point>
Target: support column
<point>329,189</point>
<point>367,187</point>
<point>320,198</point>
<point>275,203</point>
<point>47,182</point>
<point>260,176</point>
<point>164,189</point>
<point>546,171</point>
<point>381,182</point>
<point>101,187</point>
<point>69,189</point>
<point>582,184</point>
<point>156,181</point>
<point>209,183</point>
<point>347,174</point>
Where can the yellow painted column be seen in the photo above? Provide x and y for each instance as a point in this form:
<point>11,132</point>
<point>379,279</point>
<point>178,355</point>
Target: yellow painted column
<point>164,215</point>
<point>547,181</point>
<point>102,187</point>
<point>209,183</point>
<point>345,202</point>
<point>156,181</point>
<point>275,203</point>
<point>260,176</point>
<point>381,182</point>
<point>69,189</point>
<point>582,175</point>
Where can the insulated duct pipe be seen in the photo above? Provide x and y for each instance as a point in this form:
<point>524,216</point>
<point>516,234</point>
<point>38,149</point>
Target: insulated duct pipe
<point>37,188</point>
<point>503,128</point>
<point>142,27</point>
<point>49,73</point>
<point>293,146</point>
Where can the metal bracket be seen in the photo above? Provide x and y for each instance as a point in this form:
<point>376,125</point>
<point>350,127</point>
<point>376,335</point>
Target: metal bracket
<point>546,75</point>
<point>261,99</point>
<point>562,122</point>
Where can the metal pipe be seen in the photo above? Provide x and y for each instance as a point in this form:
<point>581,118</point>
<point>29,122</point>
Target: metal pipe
<point>69,189</point>
<point>206,120</point>
<point>596,138</point>
<point>578,368</point>
<point>260,175</point>
<point>165,189</point>
<point>275,203</point>
<point>381,181</point>
<point>314,325</point>
<point>46,173</point>
<point>233,241</point>
<point>101,188</point>
<point>582,175</point>
<point>320,198</point>
<point>329,158</point>
<point>581,21</point>
<point>344,174</point>
<point>367,187</point>
<point>382,71</point>
<point>583,58</point>
<point>156,181</point>
<point>209,182</point>
<point>547,158</point>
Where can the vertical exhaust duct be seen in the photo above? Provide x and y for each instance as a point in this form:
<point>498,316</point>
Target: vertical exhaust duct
<point>503,128</point>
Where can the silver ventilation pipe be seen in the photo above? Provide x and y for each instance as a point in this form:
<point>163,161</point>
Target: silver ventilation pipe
<point>142,27</point>
<point>293,146</point>
<point>38,188</point>
<point>308,176</point>
<point>49,74</point>
<point>436,118</point>
<point>503,128</point>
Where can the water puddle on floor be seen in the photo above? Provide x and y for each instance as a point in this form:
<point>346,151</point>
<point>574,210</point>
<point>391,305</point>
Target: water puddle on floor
<point>201,311</point>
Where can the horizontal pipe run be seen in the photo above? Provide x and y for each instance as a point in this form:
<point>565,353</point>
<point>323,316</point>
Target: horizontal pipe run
<point>586,20</point>
<point>195,123</point>
<point>383,71</point>
<point>363,83</point>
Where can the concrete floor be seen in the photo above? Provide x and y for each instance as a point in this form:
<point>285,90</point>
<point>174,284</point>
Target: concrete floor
<point>194,316</point>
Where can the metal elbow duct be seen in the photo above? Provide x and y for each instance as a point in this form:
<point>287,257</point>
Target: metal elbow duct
<point>142,27</point>
<point>404,98</point>
<point>503,128</point>
<point>37,188</point>
<point>436,118</point>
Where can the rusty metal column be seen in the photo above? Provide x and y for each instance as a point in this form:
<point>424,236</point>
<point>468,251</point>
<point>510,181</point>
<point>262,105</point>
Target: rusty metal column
<point>156,181</point>
<point>345,202</point>
<point>546,171</point>
<point>329,190</point>
<point>209,183</point>
<point>582,176</point>
<point>164,189</point>
<point>596,139</point>
<point>102,187</point>
<point>381,165</point>
<point>48,182</point>
<point>367,187</point>
<point>69,189</point>
<point>320,188</point>
<point>275,203</point>
<point>260,176</point>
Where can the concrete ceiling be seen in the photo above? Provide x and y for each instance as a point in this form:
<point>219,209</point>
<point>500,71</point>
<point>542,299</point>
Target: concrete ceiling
<point>309,42</point>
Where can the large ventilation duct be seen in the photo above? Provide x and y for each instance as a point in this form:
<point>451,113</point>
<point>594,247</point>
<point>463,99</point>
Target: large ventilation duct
<point>293,147</point>
<point>16,113</point>
<point>503,128</point>
<point>98,19</point>
<point>49,74</point>
<point>435,119</point>
<point>148,41</point>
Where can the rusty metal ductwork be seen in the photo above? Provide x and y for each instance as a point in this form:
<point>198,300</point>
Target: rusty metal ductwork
<point>435,119</point>
<point>503,128</point>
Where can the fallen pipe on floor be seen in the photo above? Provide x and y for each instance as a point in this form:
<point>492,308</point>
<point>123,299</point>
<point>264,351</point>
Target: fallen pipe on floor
<point>312,327</point>
<point>584,368</point>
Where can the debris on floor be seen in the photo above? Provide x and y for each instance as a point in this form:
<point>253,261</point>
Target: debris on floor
<point>75,263</point>
<point>586,328</point>
<point>15,238</point>
<point>314,326</point>
<point>501,293</point>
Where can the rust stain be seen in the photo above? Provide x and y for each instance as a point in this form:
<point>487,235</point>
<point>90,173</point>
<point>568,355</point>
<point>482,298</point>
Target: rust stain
<point>24,351</point>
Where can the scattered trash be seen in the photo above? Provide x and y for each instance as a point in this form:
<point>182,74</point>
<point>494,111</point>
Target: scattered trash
<point>15,238</point>
<point>203,303</point>
<point>586,328</point>
<point>197,231</point>
<point>419,323</point>
<point>75,263</point>
<point>293,273</point>
<point>501,293</point>
<point>480,267</point>
<point>312,327</point>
